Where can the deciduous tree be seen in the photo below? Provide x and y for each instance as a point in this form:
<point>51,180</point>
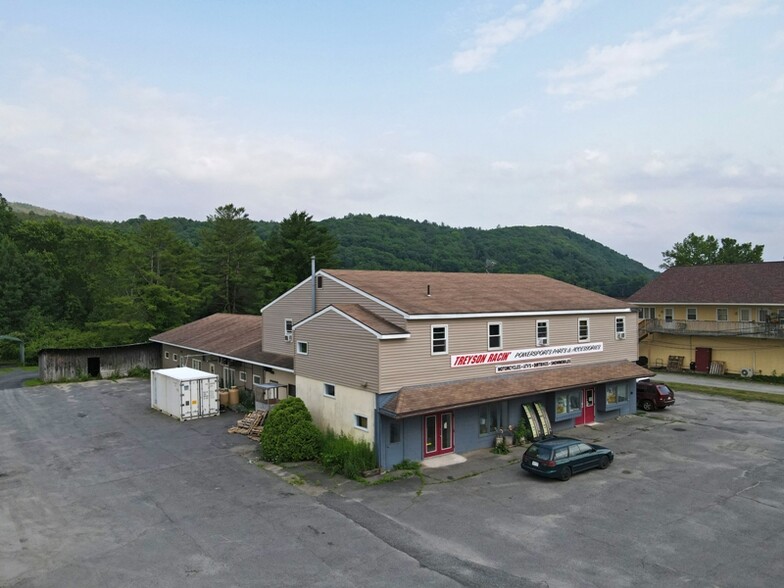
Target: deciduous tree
<point>707,250</point>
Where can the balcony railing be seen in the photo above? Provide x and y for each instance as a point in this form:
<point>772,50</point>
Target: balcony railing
<point>766,330</point>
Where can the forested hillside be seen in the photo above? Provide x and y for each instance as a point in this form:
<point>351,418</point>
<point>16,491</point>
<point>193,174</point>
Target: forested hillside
<point>70,282</point>
<point>386,242</point>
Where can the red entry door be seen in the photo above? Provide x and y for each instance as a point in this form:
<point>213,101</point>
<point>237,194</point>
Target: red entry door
<point>588,408</point>
<point>439,434</point>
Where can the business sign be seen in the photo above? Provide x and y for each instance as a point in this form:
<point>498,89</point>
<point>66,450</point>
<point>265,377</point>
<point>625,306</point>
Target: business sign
<point>535,353</point>
<point>522,367</point>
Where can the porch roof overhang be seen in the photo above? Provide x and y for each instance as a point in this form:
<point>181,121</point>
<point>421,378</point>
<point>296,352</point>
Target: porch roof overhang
<point>418,400</point>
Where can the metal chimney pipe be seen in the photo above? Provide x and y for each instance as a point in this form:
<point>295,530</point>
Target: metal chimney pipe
<point>313,280</point>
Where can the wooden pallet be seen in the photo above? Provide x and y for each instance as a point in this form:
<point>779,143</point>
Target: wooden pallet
<point>251,424</point>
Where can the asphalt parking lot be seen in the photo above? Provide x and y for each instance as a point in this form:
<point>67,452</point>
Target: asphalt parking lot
<point>98,490</point>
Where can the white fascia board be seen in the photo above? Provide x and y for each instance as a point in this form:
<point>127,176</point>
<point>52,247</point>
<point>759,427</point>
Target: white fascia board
<point>431,317</point>
<point>331,308</point>
<point>242,359</point>
<point>286,293</point>
<point>667,304</point>
<point>394,309</point>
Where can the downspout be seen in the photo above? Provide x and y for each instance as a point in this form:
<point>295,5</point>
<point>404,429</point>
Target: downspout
<point>313,280</point>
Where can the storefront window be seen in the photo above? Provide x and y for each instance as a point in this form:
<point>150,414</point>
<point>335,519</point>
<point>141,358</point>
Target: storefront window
<point>617,393</point>
<point>489,418</point>
<point>567,404</point>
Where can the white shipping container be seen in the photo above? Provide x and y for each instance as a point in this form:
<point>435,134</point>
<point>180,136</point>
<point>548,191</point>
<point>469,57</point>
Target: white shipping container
<point>184,393</point>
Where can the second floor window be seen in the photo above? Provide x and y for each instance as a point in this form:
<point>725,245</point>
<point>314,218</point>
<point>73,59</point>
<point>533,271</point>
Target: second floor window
<point>647,312</point>
<point>542,332</point>
<point>620,327</point>
<point>494,336</point>
<point>438,339</point>
<point>288,326</point>
<point>583,333</point>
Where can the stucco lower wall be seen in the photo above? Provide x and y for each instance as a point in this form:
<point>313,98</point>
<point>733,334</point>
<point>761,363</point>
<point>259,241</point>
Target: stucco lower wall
<point>338,413</point>
<point>762,355</point>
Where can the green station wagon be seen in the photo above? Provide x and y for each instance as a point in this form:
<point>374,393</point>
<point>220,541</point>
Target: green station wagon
<point>560,457</point>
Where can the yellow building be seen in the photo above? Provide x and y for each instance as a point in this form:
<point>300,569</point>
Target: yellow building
<point>717,318</point>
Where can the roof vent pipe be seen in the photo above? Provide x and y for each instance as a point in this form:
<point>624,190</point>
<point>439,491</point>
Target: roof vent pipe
<point>428,289</point>
<point>313,280</point>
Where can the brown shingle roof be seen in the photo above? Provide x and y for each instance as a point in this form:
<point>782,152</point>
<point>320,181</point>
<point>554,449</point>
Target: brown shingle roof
<point>370,319</point>
<point>746,283</point>
<point>415,400</point>
<point>465,293</point>
<point>228,335</point>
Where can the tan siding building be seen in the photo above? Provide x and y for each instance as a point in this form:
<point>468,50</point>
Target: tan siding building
<point>439,356</point>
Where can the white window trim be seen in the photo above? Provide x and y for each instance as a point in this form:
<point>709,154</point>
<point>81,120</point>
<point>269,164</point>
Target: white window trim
<point>726,312</point>
<point>166,355</point>
<point>357,426</point>
<point>542,341</point>
<point>243,376</point>
<point>174,357</point>
<point>334,391</point>
<point>299,350</point>
<point>740,315</point>
<point>196,364</point>
<point>696,313</point>
<point>500,336</point>
<point>671,313</point>
<point>587,329</point>
<point>256,379</point>
<point>446,339</point>
<point>286,331</point>
<point>622,333</point>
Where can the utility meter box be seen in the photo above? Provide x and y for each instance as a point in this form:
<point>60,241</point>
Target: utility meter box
<point>184,393</point>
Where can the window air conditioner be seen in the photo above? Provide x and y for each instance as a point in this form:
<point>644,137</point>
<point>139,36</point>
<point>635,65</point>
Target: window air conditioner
<point>541,341</point>
<point>620,336</point>
<point>746,372</point>
<point>287,337</point>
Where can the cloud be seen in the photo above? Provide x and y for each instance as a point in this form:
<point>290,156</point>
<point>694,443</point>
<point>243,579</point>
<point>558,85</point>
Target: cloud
<point>616,72</point>
<point>774,90</point>
<point>517,24</point>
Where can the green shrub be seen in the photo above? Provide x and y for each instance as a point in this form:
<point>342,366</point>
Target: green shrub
<point>523,432</point>
<point>345,455</point>
<point>247,399</point>
<point>138,372</point>
<point>289,433</point>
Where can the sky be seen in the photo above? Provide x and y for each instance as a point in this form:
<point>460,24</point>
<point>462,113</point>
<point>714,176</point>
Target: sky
<point>632,123</point>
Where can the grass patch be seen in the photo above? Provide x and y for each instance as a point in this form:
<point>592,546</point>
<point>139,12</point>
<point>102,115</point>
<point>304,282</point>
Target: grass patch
<point>744,395</point>
<point>344,455</point>
<point>27,368</point>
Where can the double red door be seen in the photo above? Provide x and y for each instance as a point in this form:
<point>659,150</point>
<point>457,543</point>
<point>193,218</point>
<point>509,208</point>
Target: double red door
<point>439,434</point>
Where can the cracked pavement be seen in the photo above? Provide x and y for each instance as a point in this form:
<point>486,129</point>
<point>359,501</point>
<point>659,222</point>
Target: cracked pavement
<point>99,490</point>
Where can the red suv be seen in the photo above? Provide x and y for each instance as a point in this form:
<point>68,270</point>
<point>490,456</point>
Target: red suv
<point>653,395</point>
